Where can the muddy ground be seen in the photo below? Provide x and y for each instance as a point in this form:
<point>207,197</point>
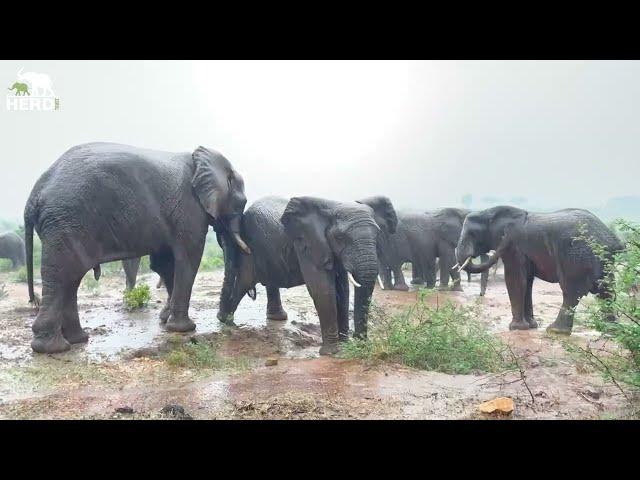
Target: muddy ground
<point>265,369</point>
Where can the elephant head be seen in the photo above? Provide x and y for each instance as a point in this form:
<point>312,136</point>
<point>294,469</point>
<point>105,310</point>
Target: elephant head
<point>491,229</point>
<point>334,240</point>
<point>220,190</point>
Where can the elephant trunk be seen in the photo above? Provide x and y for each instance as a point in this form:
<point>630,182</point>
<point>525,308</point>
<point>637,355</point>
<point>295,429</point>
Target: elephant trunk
<point>227,301</point>
<point>365,272</point>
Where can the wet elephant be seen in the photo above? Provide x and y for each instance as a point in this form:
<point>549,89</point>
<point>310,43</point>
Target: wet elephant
<point>101,202</point>
<point>12,247</point>
<point>316,242</point>
<point>539,245</point>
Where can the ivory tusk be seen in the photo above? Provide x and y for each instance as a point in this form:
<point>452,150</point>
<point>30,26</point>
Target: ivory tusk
<point>455,266</point>
<point>245,248</point>
<point>464,264</point>
<point>380,282</point>
<point>352,280</point>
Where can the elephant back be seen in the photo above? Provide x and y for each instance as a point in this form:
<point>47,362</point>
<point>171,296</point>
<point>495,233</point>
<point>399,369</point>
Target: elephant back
<point>274,256</point>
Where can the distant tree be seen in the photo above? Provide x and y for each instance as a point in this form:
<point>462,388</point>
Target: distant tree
<point>467,200</point>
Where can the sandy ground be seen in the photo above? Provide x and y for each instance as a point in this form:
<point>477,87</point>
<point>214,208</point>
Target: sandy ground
<point>123,372</point>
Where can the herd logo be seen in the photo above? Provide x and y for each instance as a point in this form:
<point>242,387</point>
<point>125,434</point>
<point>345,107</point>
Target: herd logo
<point>32,91</point>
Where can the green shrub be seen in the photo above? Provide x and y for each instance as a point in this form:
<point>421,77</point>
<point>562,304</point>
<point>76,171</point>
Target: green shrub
<point>616,354</point>
<point>137,297</point>
<point>6,265</point>
<point>446,338</point>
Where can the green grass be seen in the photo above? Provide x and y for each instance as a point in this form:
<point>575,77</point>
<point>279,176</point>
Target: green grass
<point>90,284</point>
<point>5,265</point>
<point>446,338</point>
<point>212,257</point>
<point>137,297</point>
<point>202,355</point>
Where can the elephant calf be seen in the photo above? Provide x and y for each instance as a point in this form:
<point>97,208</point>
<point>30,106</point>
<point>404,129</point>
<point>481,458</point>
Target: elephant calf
<point>320,243</point>
<point>541,245</point>
<point>12,247</point>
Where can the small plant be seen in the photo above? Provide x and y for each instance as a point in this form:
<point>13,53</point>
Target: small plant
<point>212,257</point>
<point>199,356</point>
<point>137,297</point>
<point>447,338</point>
<point>20,275</point>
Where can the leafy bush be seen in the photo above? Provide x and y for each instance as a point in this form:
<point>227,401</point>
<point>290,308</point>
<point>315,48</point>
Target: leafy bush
<point>137,297</point>
<point>447,338</point>
<point>616,354</point>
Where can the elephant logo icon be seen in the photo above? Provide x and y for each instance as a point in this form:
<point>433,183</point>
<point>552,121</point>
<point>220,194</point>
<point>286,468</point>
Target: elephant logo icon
<point>32,91</point>
<point>20,88</point>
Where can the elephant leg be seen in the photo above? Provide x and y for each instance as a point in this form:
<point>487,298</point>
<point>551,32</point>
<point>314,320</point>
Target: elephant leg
<point>361,304</point>
<point>484,276</point>
<point>573,288</point>
<point>71,328</point>
<point>274,304</point>
<point>429,271</point>
<point>528,299</point>
<point>417,276</point>
<point>187,259</point>
<point>447,261</point>
<point>516,280</point>
<point>342,305</point>
<point>603,292</point>
<point>47,327</point>
<point>469,277</point>
<point>387,280</point>
<point>130,267</point>
<point>322,288</point>
<point>163,265</point>
<point>398,276</point>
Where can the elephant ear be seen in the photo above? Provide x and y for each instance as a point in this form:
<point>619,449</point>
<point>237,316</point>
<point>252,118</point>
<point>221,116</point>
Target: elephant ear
<point>211,180</point>
<point>384,213</point>
<point>306,220</point>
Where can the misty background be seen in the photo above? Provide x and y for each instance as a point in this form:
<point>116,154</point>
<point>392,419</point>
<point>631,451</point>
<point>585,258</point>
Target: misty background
<point>540,135</point>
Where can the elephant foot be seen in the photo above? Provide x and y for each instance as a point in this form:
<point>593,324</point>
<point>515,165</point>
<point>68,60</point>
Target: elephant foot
<point>611,318</point>
<point>417,281</point>
<point>165,313</point>
<point>430,286</point>
<point>76,335</point>
<point>55,343</point>
<point>343,337</point>
<point>329,349</point>
<point>402,287</point>
<point>482,293</point>
<point>277,315</point>
<point>518,325</point>
<point>226,318</point>
<point>532,323</point>
<point>559,329</point>
<point>181,324</point>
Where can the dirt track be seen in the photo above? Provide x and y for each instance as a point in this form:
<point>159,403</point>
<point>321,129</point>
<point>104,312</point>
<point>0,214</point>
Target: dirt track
<point>123,366</point>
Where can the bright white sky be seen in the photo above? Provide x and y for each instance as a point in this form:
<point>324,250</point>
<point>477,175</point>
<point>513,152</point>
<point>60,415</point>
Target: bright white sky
<point>423,133</point>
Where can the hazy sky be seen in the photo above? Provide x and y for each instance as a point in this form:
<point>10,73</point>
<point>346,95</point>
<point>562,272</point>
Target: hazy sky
<point>424,133</point>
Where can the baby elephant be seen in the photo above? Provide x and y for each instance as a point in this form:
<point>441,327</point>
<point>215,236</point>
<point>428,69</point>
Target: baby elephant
<point>12,247</point>
<point>542,245</point>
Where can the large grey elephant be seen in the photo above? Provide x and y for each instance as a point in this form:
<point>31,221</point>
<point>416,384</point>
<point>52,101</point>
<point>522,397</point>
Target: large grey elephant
<point>426,240</point>
<point>12,247</point>
<point>312,241</point>
<point>542,245</point>
<point>101,202</point>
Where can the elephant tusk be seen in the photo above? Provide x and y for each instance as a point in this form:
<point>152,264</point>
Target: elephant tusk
<point>352,280</point>
<point>245,248</point>
<point>464,264</point>
<point>455,266</point>
<point>380,282</point>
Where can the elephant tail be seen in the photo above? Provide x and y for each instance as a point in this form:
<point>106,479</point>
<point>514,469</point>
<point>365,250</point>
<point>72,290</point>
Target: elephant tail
<point>28,237</point>
<point>96,272</point>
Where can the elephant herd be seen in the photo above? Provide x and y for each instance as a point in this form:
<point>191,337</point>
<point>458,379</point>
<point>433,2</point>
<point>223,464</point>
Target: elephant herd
<point>102,202</point>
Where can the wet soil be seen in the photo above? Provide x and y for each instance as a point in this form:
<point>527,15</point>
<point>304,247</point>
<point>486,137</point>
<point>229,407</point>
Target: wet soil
<point>125,370</point>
